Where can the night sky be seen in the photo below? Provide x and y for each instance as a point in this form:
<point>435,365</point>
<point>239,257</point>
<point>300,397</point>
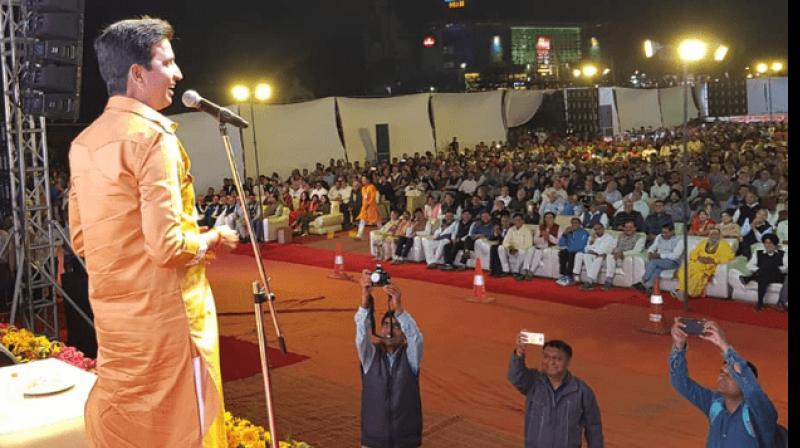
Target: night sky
<point>320,42</point>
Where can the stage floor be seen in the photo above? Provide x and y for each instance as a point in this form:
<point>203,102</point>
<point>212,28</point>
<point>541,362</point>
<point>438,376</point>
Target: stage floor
<point>466,398</point>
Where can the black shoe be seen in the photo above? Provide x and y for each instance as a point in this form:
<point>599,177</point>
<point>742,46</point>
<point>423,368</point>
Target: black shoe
<point>431,266</point>
<point>519,277</point>
<point>759,308</point>
<point>447,267</point>
<point>782,306</point>
<point>639,287</point>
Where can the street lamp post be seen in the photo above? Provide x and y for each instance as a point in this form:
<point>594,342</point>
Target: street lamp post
<point>689,50</point>
<point>262,93</point>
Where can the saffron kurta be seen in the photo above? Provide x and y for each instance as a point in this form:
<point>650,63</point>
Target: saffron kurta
<point>132,216</point>
<point>369,204</point>
<point>701,273</point>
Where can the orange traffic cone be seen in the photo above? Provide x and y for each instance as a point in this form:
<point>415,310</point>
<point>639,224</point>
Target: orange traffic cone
<point>338,265</point>
<point>655,323</point>
<point>479,286</point>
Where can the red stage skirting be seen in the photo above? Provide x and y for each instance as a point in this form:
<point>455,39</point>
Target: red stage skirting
<point>538,289</point>
<point>240,359</point>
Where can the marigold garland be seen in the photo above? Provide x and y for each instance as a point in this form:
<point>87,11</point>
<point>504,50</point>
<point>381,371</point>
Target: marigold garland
<point>242,433</point>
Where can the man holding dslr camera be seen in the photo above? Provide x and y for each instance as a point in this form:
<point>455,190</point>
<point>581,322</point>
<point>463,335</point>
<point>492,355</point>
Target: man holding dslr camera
<point>391,408</point>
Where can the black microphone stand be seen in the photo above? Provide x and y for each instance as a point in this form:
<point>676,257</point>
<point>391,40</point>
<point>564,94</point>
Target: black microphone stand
<point>261,293</point>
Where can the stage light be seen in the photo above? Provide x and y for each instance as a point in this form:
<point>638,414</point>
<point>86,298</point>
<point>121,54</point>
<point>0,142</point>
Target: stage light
<point>691,50</point>
<point>761,68</point>
<point>263,92</point>
<point>606,71</point>
<point>463,65</point>
<point>589,70</point>
<point>776,66</point>
<point>576,73</point>
<point>720,53</point>
<point>648,49</point>
<point>240,93</point>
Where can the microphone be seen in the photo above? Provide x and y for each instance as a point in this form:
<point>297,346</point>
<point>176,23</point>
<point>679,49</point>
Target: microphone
<point>193,100</point>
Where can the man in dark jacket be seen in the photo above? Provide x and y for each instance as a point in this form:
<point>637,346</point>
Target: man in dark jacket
<point>559,406</point>
<point>391,408</point>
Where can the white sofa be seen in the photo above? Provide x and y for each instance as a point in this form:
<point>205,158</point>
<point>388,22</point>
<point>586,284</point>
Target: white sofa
<point>627,273</point>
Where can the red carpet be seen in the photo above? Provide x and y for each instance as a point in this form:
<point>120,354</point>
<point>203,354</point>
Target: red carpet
<point>539,288</point>
<point>240,359</point>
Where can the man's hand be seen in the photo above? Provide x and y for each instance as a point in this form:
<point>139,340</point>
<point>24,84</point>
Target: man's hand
<point>221,238</point>
<point>520,347</point>
<point>679,336</point>
<point>714,334</point>
<point>394,298</point>
<point>366,288</point>
<point>653,256</point>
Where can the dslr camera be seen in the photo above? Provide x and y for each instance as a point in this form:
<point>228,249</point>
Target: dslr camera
<point>379,277</point>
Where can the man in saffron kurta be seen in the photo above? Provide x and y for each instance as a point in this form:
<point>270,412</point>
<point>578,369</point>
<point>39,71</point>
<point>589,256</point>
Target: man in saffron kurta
<point>369,206</point>
<point>132,216</point>
<point>703,262</point>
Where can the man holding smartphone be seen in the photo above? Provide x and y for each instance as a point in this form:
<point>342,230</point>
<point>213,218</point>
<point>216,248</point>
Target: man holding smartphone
<point>740,413</point>
<point>559,405</point>
<point>391,408</point>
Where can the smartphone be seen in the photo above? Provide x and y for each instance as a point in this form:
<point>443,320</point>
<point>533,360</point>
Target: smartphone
<point>532,338</point>
<point>693,326</point>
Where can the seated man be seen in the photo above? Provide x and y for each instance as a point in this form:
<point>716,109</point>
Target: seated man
<point>593,216</point>
<point>600,245</point>
<point>664,254</point>
<point>740,413</point>
<point>434,247</point>
<point>480,229</point>
<point>572,241</point>
<point>656,220</point>
<point>458,242</point>
<point>767,266</point>
<point>628,243</point>
<point>628,214</point>
<point>516,249</point>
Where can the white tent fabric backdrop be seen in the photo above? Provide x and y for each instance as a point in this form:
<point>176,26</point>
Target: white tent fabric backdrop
<point>472,117</point>
<point>758,95</point>
<point>407,116</point>
<point>199,134</point>
<point>671,101</point>
<point>637,108</point>
<point>605,97</point>
<point>291,136</point>
<point>522,105</point>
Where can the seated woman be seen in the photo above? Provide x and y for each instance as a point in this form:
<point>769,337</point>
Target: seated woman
<point>417,226</point>
<point>319,206</point>
<point>546,236</point>
<point>302,208</point>
<point>728,228</point>
<point>701,224</point>
<point>315,208</point>
<point>703,262</point>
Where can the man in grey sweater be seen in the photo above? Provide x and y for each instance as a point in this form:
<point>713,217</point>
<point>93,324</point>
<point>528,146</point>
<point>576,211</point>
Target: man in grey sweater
<point>559,405</point>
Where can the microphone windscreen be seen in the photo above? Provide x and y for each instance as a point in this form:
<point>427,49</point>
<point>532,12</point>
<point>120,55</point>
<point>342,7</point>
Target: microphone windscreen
<point>191,98</point>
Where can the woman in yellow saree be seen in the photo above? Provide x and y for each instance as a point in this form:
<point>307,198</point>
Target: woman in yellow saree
<point>703,262</point>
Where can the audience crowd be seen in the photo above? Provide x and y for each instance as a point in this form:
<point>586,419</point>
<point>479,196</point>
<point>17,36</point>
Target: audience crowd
<point>737,189</point>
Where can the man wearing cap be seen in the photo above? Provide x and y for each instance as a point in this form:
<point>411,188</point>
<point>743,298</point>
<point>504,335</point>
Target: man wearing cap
<point>767,266</point>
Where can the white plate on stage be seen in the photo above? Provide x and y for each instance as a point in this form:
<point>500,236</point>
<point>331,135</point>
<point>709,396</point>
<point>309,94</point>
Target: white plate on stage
<point>46,385</point>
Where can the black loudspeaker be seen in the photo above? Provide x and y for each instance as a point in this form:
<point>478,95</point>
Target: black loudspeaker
<point>382,141</point>
<point>80,334</point>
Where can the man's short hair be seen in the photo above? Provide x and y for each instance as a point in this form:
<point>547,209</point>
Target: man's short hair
<point>671,227</point>
<point>561,345</point>
<point>518,215</point>
<point>125,43</point>
<point>576,219</point>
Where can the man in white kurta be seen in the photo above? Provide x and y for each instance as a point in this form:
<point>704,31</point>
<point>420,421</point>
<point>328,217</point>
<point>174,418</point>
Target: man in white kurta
<point>517,248</point>
<point>600,245</point>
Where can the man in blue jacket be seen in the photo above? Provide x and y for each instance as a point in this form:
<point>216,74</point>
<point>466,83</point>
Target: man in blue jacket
<point>739,412</point>
<point>559,405</point>
<point>571,242</point>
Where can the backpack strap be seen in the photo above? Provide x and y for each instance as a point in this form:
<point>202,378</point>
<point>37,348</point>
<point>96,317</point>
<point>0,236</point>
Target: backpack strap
<point>748,424</point>
<point>717,406</point>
